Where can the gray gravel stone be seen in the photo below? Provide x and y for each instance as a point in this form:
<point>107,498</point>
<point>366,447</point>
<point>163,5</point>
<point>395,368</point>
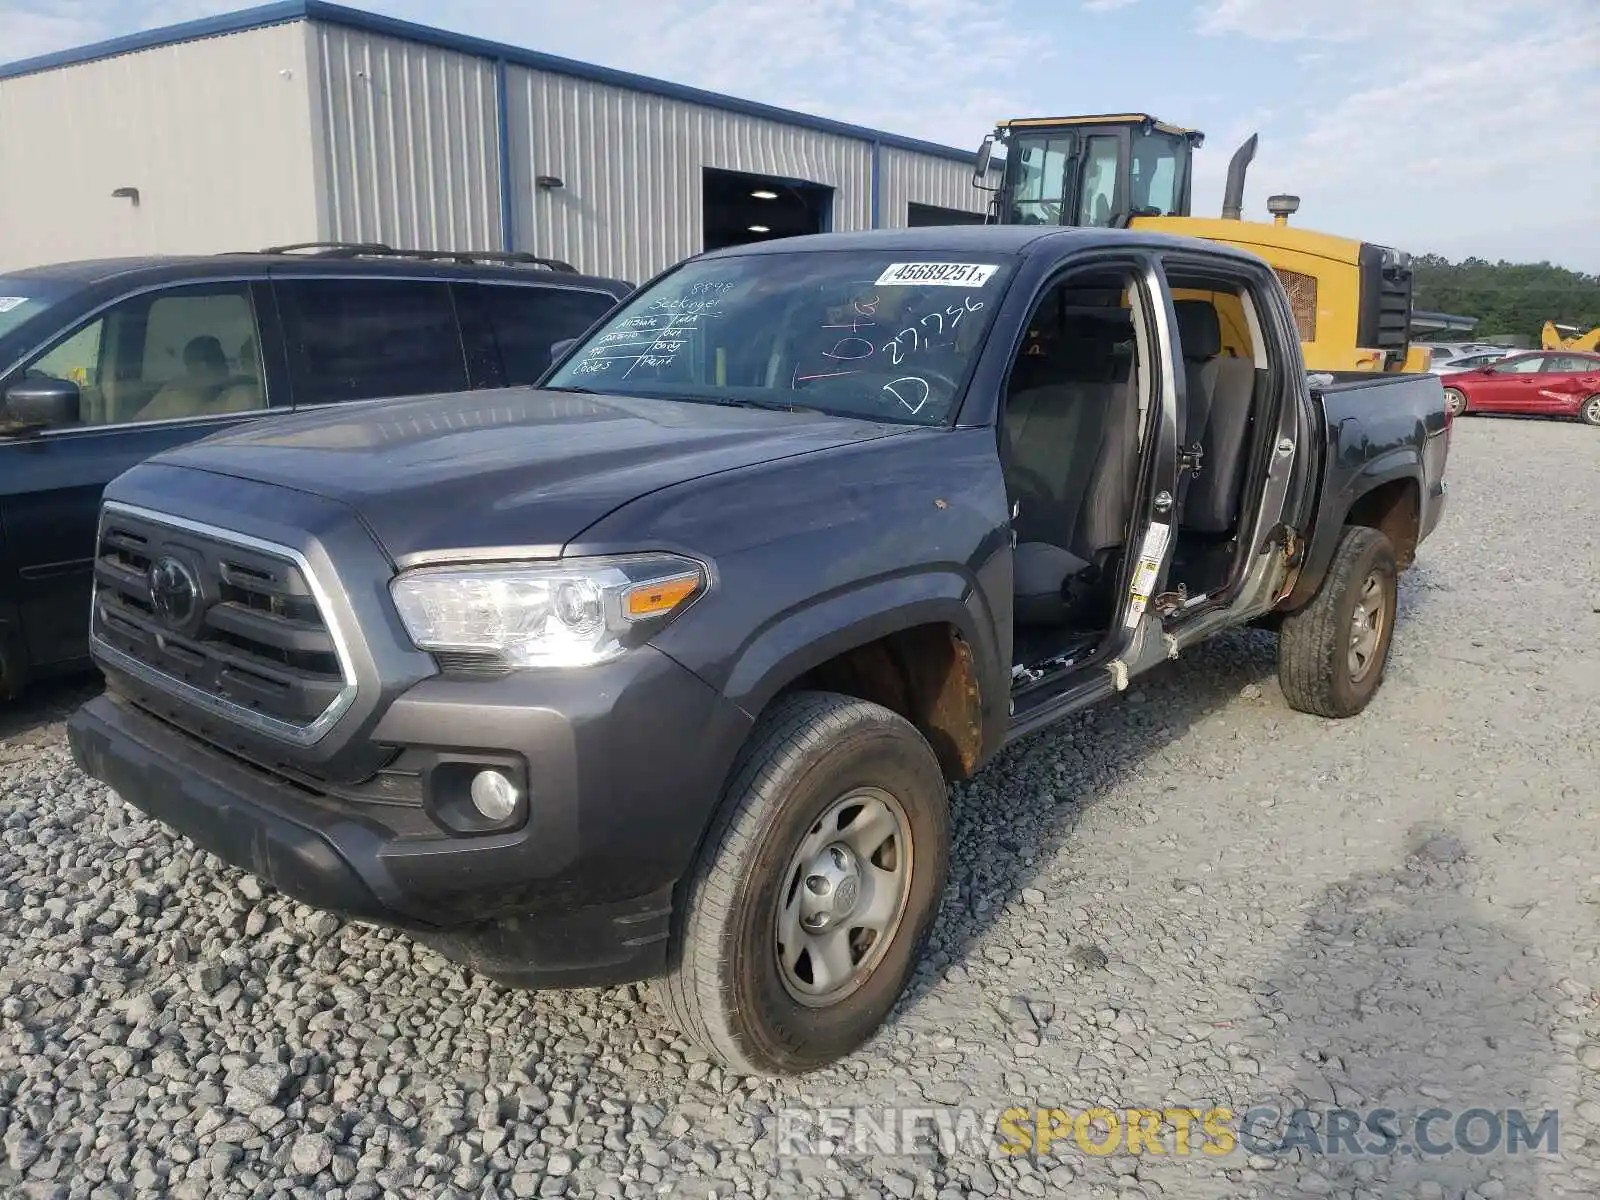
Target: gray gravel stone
<point>311,1153</point>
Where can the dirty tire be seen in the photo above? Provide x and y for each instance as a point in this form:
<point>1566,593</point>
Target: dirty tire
<point>1590,412</point>
<point>726,990</point>
<point>1314,643</point>
<point>1455,402</point>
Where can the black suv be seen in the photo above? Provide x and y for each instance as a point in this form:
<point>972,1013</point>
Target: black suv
<point>103,364</point>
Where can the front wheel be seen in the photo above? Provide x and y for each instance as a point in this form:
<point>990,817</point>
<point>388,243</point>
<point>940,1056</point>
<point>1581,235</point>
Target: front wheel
<point>1455,401</point>
<point>815,889</point>
<point>1332,652</point>
<point>1590,412</point>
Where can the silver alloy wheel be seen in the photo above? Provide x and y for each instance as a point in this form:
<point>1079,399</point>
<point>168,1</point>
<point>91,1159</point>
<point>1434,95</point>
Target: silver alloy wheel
<point>844,896</point>
<point>1366,627</point>
<point>1591,410</point>
<point>1455,401</point>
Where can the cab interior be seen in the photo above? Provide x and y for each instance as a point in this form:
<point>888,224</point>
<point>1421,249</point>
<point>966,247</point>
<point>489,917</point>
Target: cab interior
<point>1226,386</point>
<point>1076,411</point>
<point>1078,414</point>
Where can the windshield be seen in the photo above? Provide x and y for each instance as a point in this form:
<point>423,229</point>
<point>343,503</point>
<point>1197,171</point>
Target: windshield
<point>888,337</point>
<point>20,302</point>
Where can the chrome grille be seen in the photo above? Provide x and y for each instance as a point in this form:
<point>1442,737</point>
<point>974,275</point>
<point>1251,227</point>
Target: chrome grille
<point>230,623</point>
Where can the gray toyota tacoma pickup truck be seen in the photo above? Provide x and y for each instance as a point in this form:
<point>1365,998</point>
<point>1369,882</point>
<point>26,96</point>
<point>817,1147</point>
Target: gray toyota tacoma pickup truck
<point>663,669</point>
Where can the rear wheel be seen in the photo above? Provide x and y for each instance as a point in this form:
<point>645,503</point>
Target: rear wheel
<point>1455,401</point>
<point>1590,412</point>
<point>1332,652</point>
<point>815,888</point>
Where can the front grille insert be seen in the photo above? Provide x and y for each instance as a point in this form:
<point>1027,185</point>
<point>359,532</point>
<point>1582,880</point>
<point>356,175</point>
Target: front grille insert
<point>231,623</point>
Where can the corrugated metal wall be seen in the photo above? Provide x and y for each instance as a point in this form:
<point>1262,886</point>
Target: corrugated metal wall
<point>303,130</point>
<point>408,142</point>
<point>908,177</point>
<point>631,163</point>
<point>213,133</point>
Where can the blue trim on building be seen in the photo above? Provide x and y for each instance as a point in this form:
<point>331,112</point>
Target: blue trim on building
<point>502,104</point>
<point>350,18</point>
<point>877,184</point>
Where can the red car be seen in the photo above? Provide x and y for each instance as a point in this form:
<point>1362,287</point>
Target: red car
<point>1558,383</point>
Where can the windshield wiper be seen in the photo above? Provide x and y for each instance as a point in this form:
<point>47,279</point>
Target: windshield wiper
<point>575,391</point>
<point>768,405</point>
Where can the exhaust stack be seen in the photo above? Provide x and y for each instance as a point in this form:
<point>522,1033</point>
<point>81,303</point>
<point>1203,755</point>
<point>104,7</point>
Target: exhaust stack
<point>1233,194</point>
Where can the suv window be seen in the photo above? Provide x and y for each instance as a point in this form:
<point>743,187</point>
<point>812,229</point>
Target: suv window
<point>526,321</point>
<point>163,356</point>
<point>359,339</point>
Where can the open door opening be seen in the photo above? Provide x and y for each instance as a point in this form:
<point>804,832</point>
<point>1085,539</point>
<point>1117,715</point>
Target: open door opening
<point>741,208</point>
<point>1077,417</point>
<point>1228,382</point>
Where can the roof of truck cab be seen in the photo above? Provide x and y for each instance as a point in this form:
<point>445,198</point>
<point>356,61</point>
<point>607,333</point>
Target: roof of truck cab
<point>982,239</point>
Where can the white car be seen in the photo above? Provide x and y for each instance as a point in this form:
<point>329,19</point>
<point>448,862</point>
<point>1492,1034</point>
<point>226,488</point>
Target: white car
<point>1442,350</point>
<point>1465,362</point>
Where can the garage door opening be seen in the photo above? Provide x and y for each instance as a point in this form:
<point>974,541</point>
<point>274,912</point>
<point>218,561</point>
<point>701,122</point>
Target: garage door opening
<point>743,208</point>
<point>918,215</point>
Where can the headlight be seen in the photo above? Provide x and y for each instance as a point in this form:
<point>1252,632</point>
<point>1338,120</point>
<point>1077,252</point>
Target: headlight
<point>557,614</point>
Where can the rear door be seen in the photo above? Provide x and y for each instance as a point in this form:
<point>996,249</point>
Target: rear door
<point>154,370</point>
<point>367,338</point>
<point>1567,380</point>
<point>511,328</point>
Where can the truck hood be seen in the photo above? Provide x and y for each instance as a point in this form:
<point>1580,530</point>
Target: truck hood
<point>491,470</point>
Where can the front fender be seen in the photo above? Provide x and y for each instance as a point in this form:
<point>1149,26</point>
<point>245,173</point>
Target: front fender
<point>805,637</point>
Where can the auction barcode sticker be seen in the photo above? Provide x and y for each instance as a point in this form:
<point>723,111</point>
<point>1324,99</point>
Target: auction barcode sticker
<point>934,274</point>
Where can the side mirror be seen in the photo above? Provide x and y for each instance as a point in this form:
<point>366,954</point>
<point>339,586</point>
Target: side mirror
<point>42,403</point>
<point>557,349</point>
<point>980,164</point>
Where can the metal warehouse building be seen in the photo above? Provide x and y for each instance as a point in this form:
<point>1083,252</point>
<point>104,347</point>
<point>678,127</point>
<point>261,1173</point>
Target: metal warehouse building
<point>305,121</point>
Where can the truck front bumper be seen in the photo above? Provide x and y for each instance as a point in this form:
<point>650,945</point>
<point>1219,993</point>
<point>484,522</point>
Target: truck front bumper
<point>578,894</point>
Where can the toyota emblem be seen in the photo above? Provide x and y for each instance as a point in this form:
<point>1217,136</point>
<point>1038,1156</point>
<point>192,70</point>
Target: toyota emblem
<point>174,591</point>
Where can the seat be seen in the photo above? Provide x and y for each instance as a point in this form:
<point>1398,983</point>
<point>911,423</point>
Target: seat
<point>1045,430</point>
<point>1072,445</point>
<point>1200,344</point>
<point>205,369</point>
<point>242,393</point>
<point>1107,505</point>
<point>1221,393</point>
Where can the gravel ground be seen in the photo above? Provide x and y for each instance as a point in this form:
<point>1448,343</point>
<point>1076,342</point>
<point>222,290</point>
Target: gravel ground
<point>1189,896</point>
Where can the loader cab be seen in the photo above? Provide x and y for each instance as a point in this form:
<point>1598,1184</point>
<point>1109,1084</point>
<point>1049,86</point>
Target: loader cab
<point>1090,171</point>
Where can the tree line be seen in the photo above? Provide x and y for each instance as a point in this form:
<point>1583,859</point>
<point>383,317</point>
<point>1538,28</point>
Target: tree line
<point>1509,299</point>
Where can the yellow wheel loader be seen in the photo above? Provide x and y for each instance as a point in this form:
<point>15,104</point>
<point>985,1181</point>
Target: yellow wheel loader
<point>1554,338</point>
<point>1351,299</point>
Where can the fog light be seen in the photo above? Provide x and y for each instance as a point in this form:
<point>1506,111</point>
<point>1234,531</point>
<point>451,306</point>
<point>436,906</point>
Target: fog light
<point>494,795</point>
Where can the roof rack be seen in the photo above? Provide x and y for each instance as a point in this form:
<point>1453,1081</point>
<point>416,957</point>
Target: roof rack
<point>331,248</point>
<point>519,258</point>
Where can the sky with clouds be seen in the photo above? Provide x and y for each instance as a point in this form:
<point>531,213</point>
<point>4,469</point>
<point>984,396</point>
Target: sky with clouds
<point>1461,127</point>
